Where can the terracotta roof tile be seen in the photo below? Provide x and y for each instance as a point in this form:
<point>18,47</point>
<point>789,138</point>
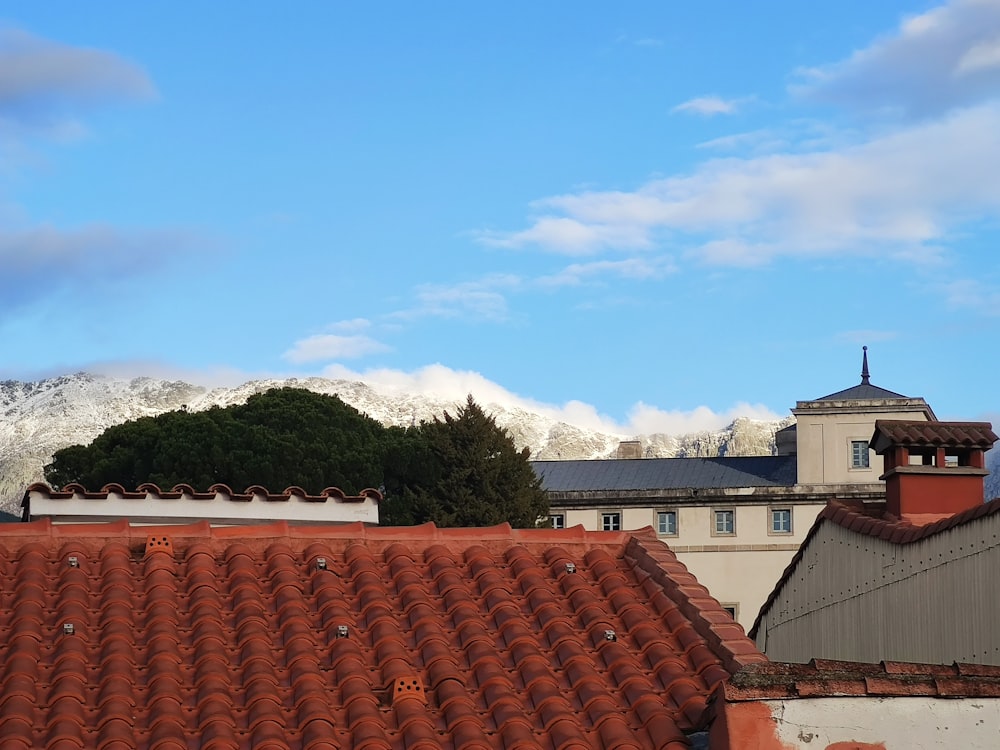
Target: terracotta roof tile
<point>314,638</point>
<point>923,434</point>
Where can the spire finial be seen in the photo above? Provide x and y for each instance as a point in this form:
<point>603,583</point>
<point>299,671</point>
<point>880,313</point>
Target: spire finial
<point>864,366</point>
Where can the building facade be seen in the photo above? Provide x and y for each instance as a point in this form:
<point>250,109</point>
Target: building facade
<point>911,579</point>
<point>736,522</point>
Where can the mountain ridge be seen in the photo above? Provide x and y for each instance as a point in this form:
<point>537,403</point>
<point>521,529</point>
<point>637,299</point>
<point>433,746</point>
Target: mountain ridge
<point>40,417</point>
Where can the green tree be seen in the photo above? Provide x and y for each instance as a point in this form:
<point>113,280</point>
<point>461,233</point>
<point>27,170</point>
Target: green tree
<point>464,470</point>
<point>461,470</point>
<point>284,437</point>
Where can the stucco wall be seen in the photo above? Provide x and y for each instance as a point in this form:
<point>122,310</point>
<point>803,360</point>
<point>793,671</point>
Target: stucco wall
<point>862,723</point>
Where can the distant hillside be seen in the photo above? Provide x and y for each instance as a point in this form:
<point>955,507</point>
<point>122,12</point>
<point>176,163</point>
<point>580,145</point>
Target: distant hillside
<point>39,418</point>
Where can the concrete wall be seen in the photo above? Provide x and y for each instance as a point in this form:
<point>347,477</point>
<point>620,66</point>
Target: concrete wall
<point>858,723</point>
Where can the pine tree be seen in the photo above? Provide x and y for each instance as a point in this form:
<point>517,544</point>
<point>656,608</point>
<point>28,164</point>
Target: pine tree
<point>471,474</point>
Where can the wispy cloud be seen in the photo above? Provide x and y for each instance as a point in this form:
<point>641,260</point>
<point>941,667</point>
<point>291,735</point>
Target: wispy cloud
<point>326,347</point>
<point>41,79</point>
<point>568,235</point>
<point>481,299</point>
<point>38,260</point>
<point>972,294</point>
<point>638,269</point>
<point>945,58</point>
<point>708,106</point>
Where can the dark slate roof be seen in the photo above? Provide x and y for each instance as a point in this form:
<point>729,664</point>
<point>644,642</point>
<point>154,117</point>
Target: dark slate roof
<point>667,473</point>
<point>861,392</point>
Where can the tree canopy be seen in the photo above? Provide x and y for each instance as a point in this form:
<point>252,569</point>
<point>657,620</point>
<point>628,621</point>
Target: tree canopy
<point>461,470</point>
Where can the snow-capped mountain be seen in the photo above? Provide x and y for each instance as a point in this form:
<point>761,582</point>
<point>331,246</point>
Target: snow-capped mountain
<point>39,418</point>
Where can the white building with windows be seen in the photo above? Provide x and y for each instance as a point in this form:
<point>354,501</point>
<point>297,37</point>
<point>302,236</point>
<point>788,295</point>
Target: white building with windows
<point>736,522</point>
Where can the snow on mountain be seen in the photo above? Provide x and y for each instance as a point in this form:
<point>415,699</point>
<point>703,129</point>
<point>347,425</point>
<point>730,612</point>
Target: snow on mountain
<point>39,418</point>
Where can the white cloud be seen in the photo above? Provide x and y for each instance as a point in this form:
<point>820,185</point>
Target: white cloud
<point>708,106</point>
<point>329,346</point>
<point>350,326</point>
<point>569,236</point>
<point>647,420</point>
<point>899,192</point>
<point>640,269</point>
<point>443,382</point>
<point>948,57</point>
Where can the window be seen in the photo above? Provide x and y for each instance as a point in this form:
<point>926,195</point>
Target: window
<point>666,523</point>
<point>725,523</point>
<point>558,521</point>
<point>859,454</point>
<point>611,521</point>
<point>732,609</point>
<point>781,520</point>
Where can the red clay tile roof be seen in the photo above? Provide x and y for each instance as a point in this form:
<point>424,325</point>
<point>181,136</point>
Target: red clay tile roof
<point>826,677</point>
<point>912,433</point>
<point>870,520</point>
<point>284,637</point>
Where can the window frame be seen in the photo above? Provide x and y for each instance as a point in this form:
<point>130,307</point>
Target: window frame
<point>772,511</point>
<point>864,455</point>
<point>660,516</point>
<point>557,524</point>
<point>715,522</point>
<point>611,520</point>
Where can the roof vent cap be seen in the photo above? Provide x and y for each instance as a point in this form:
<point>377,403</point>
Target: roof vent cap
<point>341,631</point>
<point>610,635</point>
<point>68,628</point>
<point>73,561</point>
<point>320,563</point>
<point>570,567</point>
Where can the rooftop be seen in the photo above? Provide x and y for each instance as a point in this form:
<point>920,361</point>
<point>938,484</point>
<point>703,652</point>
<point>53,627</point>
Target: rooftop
<point>932,434</point>
<point>286,637</point>
<point>184,504</point>
<point>666,473</point>
<point>870,519</point>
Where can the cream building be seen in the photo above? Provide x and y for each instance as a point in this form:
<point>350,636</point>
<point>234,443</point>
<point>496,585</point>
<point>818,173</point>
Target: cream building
<point>736,522</point>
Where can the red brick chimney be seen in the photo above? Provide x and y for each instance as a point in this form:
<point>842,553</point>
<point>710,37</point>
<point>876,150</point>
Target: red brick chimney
<point>932,469</point>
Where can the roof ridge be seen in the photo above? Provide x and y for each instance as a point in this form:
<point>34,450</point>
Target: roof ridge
<point>724,636</point>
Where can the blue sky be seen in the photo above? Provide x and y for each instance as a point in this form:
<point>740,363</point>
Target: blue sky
<point>652,218</point>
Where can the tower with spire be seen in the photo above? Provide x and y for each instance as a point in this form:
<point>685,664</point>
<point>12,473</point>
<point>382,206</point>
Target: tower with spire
<point>831,432</point>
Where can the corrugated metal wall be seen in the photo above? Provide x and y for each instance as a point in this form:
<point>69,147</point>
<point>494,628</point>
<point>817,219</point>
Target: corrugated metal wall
<point>862,599</point>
